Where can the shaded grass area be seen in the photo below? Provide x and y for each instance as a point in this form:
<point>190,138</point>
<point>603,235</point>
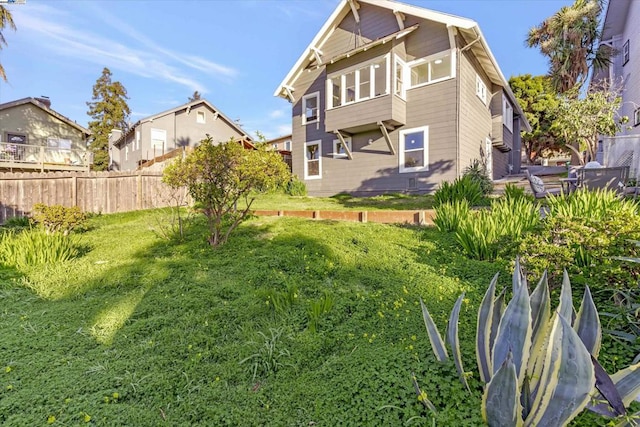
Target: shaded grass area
<point>339,202</point>
<point>144,331</point>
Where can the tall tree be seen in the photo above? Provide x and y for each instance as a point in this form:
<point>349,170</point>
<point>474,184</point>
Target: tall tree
<point>109,110</point>
<point>570,40</point>
<point>6,20</point>
<point>195,97</point>
<point>539,102</point>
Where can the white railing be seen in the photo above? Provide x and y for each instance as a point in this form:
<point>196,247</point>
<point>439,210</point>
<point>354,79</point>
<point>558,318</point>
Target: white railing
<point>43,157</point>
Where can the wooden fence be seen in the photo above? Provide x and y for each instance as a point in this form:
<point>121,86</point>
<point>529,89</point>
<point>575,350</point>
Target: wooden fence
<point>97,192</point>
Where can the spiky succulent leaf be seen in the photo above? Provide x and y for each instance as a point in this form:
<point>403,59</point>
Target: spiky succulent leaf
<point>587,324</point>
<point>540,303</point>
<point>519,278</point>
<point>627,383</point>
<point>498,310</point>
<point>565,309</point>
<point>541,315</point>
<point>437,344</point>
<point>501,398</point>
<point>454,342</point>
<point>568,378</point>
<point>483,331</point>
<point>422,396</point>
<point>514,334</point>
<point>608,390</point>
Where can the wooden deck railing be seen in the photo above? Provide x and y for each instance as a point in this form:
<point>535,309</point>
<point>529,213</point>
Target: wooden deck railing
<point>42,158</point>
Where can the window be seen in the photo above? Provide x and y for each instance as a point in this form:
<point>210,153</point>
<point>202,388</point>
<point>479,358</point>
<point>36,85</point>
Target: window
<point>399,80</point>
<point>158,140</point>
<point>126,152</point>
<point>60,143</point>
<point>287,145</point>
<point>413,150</point>
<point>313,160</point>
<point>274,146</point>
<point>625,52</point>
<point>338,149</point>
<point>137,140</point>
<point>430,70</point>
<point>481,89</point>
<point>310,108</point>
<point>636,117</point>
<point>368,81</point>
<point>200,117</point>
<point>507,113</point>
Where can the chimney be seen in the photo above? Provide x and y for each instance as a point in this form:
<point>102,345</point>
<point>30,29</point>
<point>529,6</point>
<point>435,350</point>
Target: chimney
<point>44,100</point>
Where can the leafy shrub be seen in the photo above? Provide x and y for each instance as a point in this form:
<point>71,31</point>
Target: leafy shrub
<point>58,218</point>
<point>515,216</point>
<point>512,191</point>
<point>296,187</point>
<point>464,188</point>
<point>539,366</point>
<point>586,231</point>
<point>33,247</point>
<point>449,215</point>
<point>17,222</point>
<point>477,171</point>
<point>478,235</point>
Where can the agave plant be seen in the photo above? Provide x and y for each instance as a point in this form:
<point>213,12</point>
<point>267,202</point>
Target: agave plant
<point>539,366</point>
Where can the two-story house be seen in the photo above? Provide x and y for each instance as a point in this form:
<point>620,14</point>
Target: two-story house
<point>35,137</point>
<point>390,97</point>
<point>621,32</point>
<point>162,133</point>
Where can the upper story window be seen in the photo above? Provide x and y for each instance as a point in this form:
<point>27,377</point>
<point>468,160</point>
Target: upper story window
<point>158,139</point>
<point>274,146</point>
<point>367,81</point>
<point>636,117</point>
<point>313,160</point>
<point>137,139</point>
<point>625,52</point>
<point>423,71</point>
<point>481,89</point>
<point>507,113</point>
<point>287,145</point>
<point>414,149</point>
<point>310,108</point>
<point>338,148</point>
<point>400,70</point>
<point>200,117</point>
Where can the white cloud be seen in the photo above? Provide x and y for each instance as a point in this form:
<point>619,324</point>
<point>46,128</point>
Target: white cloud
<point>276,114</point>
<point>144,58</point>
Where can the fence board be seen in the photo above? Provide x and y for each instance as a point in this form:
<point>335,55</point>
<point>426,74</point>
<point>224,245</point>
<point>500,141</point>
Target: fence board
<point>97,192</point>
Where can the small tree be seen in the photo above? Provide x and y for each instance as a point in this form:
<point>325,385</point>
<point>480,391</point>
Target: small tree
<point>218,176</point>
<point>195,96</point>
<point>581,120</point>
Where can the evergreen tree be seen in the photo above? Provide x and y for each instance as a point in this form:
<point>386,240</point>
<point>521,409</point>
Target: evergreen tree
<point>195,96</point>
<point>6,20</point>
<point>109,110</point>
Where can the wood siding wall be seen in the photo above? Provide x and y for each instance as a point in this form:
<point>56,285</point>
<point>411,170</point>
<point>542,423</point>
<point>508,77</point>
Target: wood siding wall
<point>97,192</point>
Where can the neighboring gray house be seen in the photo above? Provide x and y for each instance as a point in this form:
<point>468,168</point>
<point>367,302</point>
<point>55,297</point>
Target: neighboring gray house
<point>157,135</point>
<point>390,97</point>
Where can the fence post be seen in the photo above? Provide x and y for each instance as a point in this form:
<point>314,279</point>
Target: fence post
<point>74,190</point>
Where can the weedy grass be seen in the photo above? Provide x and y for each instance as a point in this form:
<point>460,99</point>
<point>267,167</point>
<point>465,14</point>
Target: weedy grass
<point>142,330</point>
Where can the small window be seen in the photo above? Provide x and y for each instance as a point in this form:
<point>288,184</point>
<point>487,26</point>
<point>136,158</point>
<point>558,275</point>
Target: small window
<point>313,160</point>
<point>200,117</point>
<point>137,139</point>
<point>507,113</point>
<point>350,87</point>
<point>274,146</point>
<point>126,152</point>
<point>399,80</point>
<point>158,140</point>
<point>625,53</point>
<point>338,149</point>
<point>636,117</point>
<point>364,84</point>
<point>310,108</point>
<point>481,89</point>
<point>414,154</point>
<point>287,145</point>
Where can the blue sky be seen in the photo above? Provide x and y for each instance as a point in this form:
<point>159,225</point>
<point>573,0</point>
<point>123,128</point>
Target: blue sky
<point>234,52</point>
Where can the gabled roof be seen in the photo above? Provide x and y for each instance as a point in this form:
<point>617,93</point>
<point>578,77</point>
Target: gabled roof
<point>34,101</point>
<point>188,106</point>
<point>468,28</point>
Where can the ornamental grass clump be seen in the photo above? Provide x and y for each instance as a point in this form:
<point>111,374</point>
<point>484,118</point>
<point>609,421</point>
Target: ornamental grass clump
<point>464,188</point>
<point>34,247</point>
<point>539,366</point>
<point>449,215</point>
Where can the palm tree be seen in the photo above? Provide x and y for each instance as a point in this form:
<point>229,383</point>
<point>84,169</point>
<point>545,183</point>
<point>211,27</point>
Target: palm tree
<point>5,20</point>
<point>570,40</point>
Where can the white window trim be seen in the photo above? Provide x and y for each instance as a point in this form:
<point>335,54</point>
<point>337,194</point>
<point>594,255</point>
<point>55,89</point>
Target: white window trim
<point>203,115</point>
<point>164,140</point>
<point>625,53</point>
<point>137,139</point>
<point>636,117</point>
<point>335,153</point>
<point>306,167</point>
<point>427,59</point>
<point>507,113</point>
<point>287,145</point>
<point>402,169</point>
<point>398,63</point>
<point>126,152</point>
<point>304,108</point>
<point>343,80</point>
<point>481,89</point>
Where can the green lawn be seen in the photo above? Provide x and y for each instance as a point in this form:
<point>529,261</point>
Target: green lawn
<point>143,331</point>
<point>342,202</point>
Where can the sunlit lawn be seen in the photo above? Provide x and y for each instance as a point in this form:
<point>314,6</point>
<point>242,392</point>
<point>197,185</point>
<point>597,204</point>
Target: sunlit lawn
<point>144,331</point>
<point>342,202</point>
